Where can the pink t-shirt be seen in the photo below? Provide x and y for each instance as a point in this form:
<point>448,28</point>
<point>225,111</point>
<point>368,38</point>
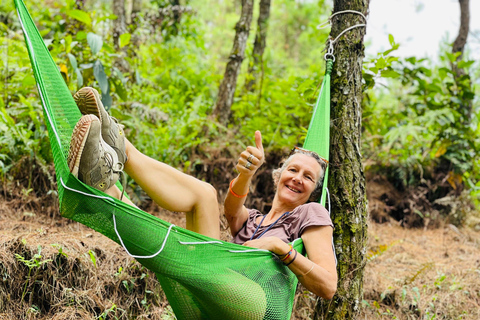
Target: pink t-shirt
<point>289,227</point>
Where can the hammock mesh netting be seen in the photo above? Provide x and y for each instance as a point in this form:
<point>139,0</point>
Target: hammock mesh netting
<point>203,278</point>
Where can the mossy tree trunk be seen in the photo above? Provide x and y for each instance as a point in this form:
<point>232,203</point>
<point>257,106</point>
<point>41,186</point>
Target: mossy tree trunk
<point>259,46</point>
<point>119,24</point>
<point>227,88</point>
<point>458,47</point>
<point>347,179</point>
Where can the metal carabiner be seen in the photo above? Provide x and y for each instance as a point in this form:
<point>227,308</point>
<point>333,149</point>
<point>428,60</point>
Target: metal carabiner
<point>330,52</point>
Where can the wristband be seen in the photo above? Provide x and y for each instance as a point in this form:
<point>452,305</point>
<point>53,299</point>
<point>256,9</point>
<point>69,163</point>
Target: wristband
<point>313,265</point>
<point>233,193</point>
<point>286,255</point>
<point>294,257</point>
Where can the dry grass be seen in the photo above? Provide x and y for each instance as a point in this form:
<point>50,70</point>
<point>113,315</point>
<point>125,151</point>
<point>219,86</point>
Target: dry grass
<point>422,274</point>
<point>412,273</point>
<point>52,268</point>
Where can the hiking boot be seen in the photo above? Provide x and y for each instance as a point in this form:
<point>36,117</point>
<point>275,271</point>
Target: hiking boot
<point>88,101</point>
<point>90,158</point>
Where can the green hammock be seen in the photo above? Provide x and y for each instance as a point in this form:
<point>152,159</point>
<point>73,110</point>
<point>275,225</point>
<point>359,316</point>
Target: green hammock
<point>203,278</point>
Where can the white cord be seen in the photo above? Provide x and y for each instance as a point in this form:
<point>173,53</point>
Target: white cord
<point>252,250</point>
<point>141,257</point>
<point>84,193</point>
<point>329,22</point>
<point>330,208</point>
<point>200,242</point>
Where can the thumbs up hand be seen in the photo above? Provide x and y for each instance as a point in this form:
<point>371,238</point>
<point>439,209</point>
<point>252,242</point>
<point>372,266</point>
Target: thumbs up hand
<point>252,158</point>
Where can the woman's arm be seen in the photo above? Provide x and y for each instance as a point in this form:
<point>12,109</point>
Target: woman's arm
<point>235,211</point>
<point>318,272</point>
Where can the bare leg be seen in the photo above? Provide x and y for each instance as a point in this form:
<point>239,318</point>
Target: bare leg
<point>175,191</point>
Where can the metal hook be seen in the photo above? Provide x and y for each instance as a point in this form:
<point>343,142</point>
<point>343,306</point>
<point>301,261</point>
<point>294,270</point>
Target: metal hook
<point>330,51</point>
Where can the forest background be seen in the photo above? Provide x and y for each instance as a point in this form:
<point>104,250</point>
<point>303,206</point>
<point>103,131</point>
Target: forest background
<point>160,78</point>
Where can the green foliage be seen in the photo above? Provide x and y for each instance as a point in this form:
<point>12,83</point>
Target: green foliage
<point>282,111</point>
<point>23,136</point>
<point>33,264</point>
<point>424,122</point>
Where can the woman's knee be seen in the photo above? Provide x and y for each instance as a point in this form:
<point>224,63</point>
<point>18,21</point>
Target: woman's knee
<point>209,193</point>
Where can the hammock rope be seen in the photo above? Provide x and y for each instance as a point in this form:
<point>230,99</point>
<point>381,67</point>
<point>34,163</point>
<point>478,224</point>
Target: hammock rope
<point>220,280</point>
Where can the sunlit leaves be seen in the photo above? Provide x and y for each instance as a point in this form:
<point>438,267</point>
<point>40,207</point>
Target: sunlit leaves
<point>381,66</point>
<point>124,39</point>
<point>81,16</point>
<point>95,42</point>
<point>100,75</point>
<point>427,121</point>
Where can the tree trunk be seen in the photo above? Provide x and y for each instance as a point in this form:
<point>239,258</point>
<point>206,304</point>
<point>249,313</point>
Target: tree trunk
<point>259,45</point>
<point>347,179</point>
<point>461,40</point>
<point>176,11</point>
<point>229,82</point>
<point>119,25</point>
<point>466,106</point>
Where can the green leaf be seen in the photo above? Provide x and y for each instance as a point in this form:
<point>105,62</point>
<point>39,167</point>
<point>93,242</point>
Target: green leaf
<point>465,64</point>
<point>391,40</point>
<point>81,35</point>
<point>380,64</point>
<point>125,39</point>
<point>81,16</point>
<point>73,61</point>
<point>44,32</point>
<point>100,76</point>
<point>120,89</point>
<point>68,43</point>
<point>107,98</point>
<point>412,60</point>
<point>95,42</point>
<point>79,78</point>
<point>389,73</point>
<point>93,257</point>
<point>28,80</point>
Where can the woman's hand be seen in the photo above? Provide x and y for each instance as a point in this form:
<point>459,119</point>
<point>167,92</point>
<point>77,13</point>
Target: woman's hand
<point>252,158</point>
<point>273,244</point>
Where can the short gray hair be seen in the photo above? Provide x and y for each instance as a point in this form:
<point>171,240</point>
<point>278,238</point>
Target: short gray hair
<point>317,192</point>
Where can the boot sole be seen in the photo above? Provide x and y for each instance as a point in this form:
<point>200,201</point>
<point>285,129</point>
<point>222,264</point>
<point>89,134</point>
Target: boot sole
<point>79,137</point>
<point>86,100</point>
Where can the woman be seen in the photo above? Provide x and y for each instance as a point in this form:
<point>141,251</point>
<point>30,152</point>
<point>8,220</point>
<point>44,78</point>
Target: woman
<point>99,152</point>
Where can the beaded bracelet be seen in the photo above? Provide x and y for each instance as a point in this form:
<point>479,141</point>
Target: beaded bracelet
<point>294,257</point>
<point>233,193</point>
<point>285,256</point>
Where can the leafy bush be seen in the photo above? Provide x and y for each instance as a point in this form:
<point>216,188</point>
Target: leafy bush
<point>424,125</point>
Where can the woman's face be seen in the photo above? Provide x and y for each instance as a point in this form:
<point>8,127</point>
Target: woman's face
<point>298,180</point>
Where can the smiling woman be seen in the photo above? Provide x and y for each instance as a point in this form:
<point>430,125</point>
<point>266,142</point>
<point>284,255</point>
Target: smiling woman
<point>297,181</point>
<point>99,153</point>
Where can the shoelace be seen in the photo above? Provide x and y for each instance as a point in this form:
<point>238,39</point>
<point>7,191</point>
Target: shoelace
<point>115,168</point>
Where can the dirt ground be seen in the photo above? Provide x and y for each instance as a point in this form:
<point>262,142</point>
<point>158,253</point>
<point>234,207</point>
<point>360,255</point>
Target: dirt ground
<point>422,274</point>
<point>411,273</point>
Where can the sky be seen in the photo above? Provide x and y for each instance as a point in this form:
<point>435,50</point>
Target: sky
<point>419,26</point>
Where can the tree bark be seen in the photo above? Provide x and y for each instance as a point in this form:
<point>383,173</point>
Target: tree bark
<point>259,45</point>
<point>461,40</point>
<point>465,108</point>
<point>119,24</point>
<point>227,88</point>
<point>347,179</point>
